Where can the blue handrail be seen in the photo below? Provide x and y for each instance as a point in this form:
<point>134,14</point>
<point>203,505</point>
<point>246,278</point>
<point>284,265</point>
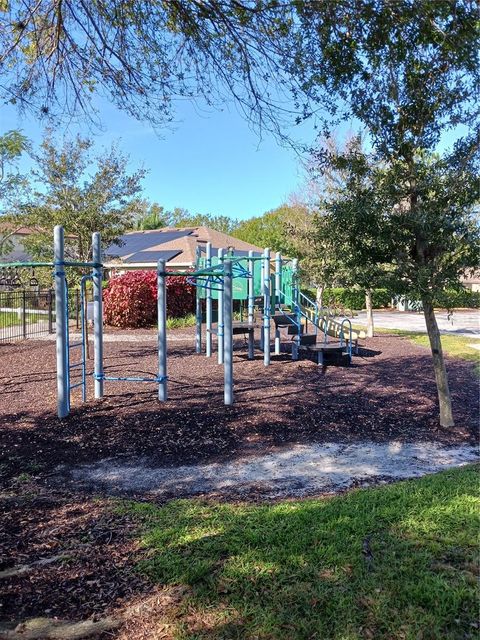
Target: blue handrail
<point>342,337</point>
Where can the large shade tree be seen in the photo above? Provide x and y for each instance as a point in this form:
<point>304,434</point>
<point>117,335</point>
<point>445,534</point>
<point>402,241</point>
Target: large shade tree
<point>83,193</point>
<point>407,72</point>
<point>55,55</point>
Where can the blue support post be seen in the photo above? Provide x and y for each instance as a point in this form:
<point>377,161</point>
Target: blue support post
<point>208,305</point>
<point>198,313</point>
<point>296,309</point>
<point>220,313</point>
<point>251,303</point>
<point>61,324</point>
<point>266,307</point>
<point>278,288</point>
<point>228,332</point>
<point>97,315</point>
<point>162,331</point>
<point>262,278</point>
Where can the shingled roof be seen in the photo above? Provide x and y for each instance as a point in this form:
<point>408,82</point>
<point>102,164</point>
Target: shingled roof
<point>177,246</point>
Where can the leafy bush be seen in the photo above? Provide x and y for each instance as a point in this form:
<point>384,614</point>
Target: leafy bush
<point>130,300</point>
<point>453,299</point>
<point>351,298</point>
<point>181,323</point>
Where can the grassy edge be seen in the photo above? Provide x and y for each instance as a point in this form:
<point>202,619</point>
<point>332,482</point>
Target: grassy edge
<point>394,562</point>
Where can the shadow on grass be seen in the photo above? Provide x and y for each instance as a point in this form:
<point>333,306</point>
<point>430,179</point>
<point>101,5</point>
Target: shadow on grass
<point>389,563</point>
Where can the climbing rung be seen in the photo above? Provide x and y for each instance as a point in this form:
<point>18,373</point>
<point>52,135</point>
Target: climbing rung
<point>78,384</point>
<point>75,344</point>
<point>76,365</point>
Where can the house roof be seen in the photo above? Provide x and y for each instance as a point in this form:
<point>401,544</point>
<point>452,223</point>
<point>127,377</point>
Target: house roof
<point>177,246</point>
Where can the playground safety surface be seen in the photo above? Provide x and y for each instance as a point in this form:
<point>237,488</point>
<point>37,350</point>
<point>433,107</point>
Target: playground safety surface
<point>388,394</point>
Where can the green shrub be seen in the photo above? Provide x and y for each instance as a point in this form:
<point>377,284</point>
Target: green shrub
<point>454,299</point>
<point>180,323</point>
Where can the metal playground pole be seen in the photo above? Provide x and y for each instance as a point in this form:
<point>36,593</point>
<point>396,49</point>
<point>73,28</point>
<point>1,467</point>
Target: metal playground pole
<point>266,307</point>
<point>61,324</point>
<point>208,337</point>
<point>97,315</point>
<point>198,313</point>
<point>228,332</point>
<point>162,331</point>
<point>251,302</point>
<point>278,286</point>
<point>220,314</point>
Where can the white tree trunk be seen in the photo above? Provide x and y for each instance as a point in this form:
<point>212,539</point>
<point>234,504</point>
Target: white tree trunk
<point>369,308</point>
<point>441,378</point>
<point>319,296</point>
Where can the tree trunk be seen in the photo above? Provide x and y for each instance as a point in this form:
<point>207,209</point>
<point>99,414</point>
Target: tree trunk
<point>444,399</point>
<point>369,308</point>
<point>319,296</point>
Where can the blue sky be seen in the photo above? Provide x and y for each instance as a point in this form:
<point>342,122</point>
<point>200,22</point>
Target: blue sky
<point>210,163</point>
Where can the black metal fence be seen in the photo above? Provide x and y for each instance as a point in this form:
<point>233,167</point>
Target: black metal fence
<point>27,313</point>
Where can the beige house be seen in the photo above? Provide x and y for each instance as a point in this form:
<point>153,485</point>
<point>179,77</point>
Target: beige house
<point>472,282</point>
<point>178,246</point>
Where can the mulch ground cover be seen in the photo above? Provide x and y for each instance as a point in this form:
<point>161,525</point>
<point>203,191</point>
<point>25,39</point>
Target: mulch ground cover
<point>388,393</point>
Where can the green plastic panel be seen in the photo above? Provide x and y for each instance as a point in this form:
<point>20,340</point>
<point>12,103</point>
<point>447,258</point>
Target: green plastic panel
<point>240,285</point>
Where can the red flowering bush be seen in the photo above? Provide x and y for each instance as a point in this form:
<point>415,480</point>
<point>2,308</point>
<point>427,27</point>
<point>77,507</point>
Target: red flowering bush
<point>130,300</point>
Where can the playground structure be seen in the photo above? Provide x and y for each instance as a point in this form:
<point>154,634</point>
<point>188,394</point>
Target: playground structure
<point>270,289</point>
<point>275,294</point>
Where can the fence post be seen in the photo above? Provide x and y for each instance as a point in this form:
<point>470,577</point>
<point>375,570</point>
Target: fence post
<point>24,314</point>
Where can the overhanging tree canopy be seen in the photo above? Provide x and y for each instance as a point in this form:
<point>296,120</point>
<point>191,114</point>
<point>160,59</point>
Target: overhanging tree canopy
<point>56,54</point>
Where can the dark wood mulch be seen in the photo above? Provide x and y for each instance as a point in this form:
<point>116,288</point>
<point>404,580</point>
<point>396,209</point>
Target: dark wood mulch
<point>92,552</point>
<point>388,393</point>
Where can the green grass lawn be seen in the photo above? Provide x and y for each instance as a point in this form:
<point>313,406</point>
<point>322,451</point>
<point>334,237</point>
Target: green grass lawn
<point>395,563</point>
<point>10,319</point>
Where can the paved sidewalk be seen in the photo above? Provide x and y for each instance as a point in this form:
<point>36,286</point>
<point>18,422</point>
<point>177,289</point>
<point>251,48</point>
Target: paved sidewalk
<point>461,323</point>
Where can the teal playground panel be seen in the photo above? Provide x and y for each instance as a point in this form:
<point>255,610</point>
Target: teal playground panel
<point>239,285</point>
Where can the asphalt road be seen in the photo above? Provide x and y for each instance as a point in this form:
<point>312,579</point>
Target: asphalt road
<point>462,323</point>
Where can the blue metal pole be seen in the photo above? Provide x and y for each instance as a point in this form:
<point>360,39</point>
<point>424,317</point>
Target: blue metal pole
<point>220,313</point>
<point>228,332</point>
<point>61,324</point>
<point>262,278</point>
<point>198,312</point>
<point>296,340</point>
<point>162,330</point>
<point>208,337</point>
<point>251,304</point>
<point>278,286</point>
<point>266,308</point>
<point>97,315</point>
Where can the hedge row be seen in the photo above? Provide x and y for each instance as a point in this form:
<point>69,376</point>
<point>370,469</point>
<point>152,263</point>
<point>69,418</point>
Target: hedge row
<point>355,298</point>
<point>453,299</point>
<point>130,300</point>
